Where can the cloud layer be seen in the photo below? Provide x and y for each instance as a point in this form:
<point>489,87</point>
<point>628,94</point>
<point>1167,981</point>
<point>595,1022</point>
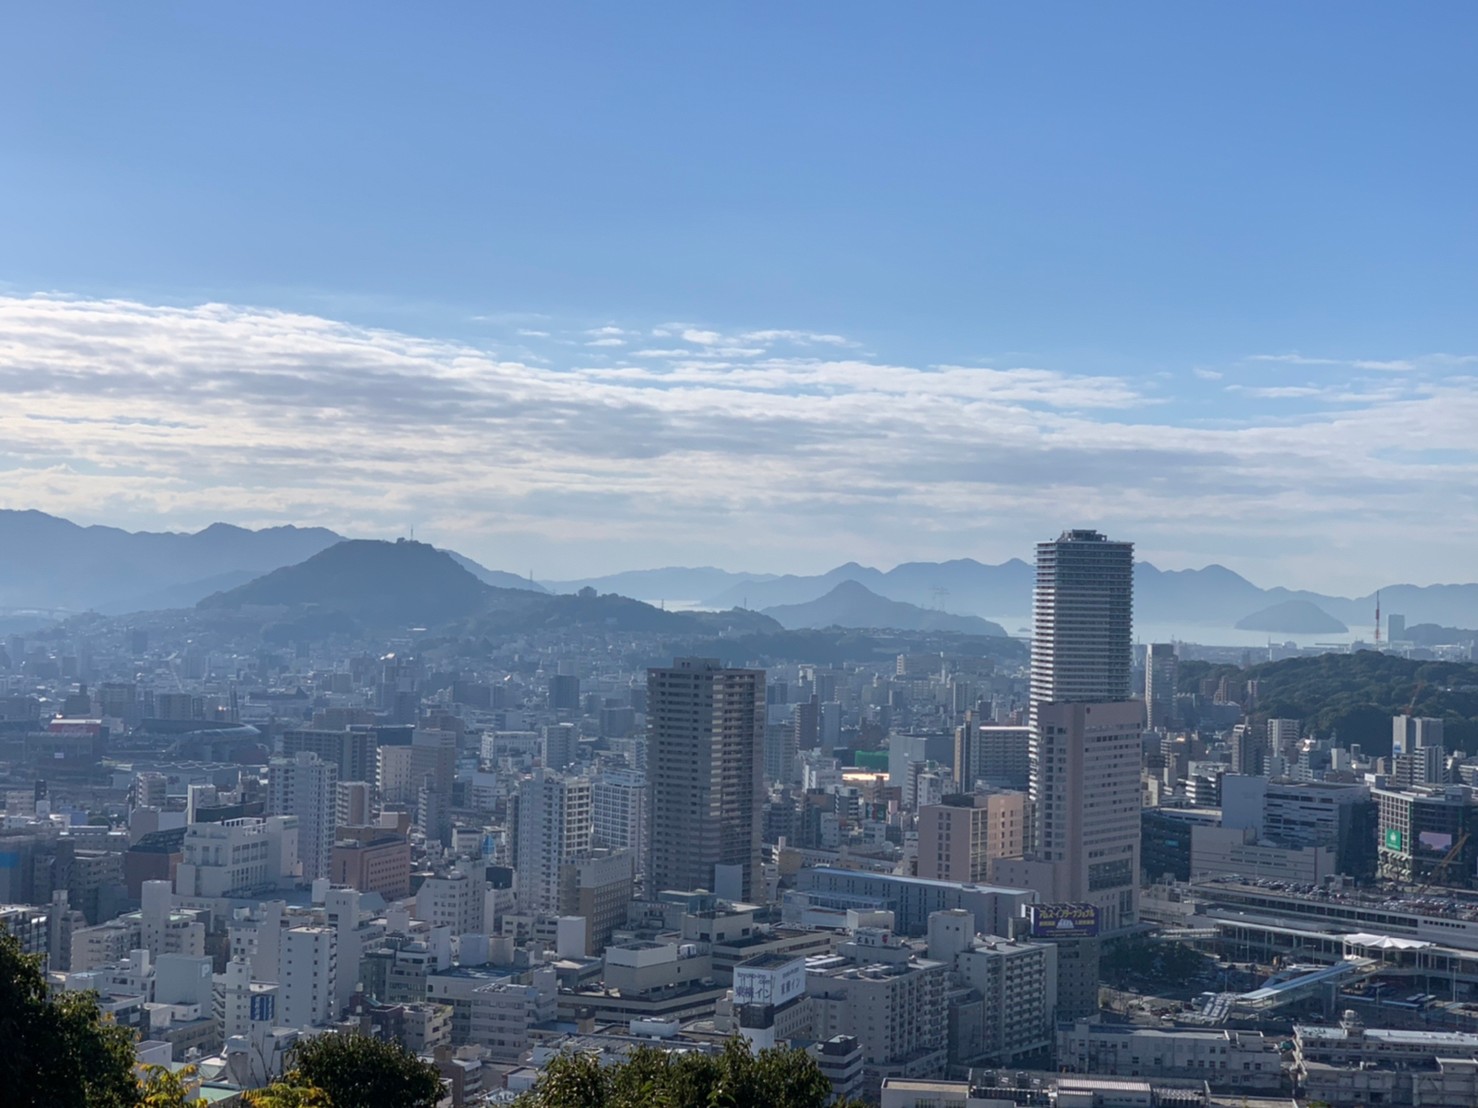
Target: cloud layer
<point>588,448</point>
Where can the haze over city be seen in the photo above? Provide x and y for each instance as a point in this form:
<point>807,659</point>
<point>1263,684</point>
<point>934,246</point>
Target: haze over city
<point>829,555</point>
<point>569,290</point>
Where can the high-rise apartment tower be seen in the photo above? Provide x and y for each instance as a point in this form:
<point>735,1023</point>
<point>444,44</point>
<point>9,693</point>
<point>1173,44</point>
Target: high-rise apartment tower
<point>705,770</point>
<point>1085,731</point>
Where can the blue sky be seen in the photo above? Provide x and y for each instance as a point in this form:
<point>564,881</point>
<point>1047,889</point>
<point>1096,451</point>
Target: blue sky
<point>1207,273</point>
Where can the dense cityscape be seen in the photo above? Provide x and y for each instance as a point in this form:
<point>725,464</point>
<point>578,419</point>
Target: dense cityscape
<point>948,867</point>
<point>738,555</point>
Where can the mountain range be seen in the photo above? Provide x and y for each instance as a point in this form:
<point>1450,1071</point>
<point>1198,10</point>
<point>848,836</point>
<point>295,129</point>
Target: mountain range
<point>50,564</point>
<point>367,584</point>
<point>1213,596</point>
<point>853,604</point>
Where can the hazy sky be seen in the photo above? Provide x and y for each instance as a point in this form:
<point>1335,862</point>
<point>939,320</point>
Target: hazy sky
<point>581,288</point>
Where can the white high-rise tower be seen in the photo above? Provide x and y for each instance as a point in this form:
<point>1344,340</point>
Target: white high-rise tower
<point>1083,620</point>
<point>1085,731</point>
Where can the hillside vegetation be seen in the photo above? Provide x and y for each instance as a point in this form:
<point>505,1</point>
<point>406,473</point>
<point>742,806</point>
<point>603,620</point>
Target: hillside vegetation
<point>1355,695</point>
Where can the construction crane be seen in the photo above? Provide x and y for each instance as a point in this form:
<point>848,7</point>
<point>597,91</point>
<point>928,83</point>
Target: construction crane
<point>1441,867</point>
<point>1421,683</point>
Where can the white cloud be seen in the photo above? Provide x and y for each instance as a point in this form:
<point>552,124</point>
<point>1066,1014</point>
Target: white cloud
<point>606,342</point>
<point>156,416</point>
<point>1207,374</point>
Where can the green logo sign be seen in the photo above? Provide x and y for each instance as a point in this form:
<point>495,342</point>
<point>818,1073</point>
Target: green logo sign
<point>1393,838</point>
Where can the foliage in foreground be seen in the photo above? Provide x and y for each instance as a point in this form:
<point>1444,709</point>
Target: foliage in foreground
<point>356,1071</point>
<point>652,1078</point>
<point>60,1051</point>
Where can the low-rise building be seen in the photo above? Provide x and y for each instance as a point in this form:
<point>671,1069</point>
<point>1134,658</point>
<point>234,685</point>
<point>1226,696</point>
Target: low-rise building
<point>1241,1059</point>
<point>1354,1065</point>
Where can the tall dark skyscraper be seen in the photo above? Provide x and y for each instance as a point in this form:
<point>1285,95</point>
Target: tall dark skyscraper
<point>705,765</point>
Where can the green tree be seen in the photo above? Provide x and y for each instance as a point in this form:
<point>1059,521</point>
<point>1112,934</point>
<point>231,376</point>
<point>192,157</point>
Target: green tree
<point>161,1087</point>
<point>356,1071</point>
<point>291,1092</point>
<point>652,1078</point>
<point>59,1051</point>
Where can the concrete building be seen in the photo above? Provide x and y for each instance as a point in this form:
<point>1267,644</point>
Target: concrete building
<point>1086,810</point>
<point>597,887</point>
<point>1224,1058</point>
<point>1085,755</point>
<point>961,836</point>
<point>890,998</point>
<point>911,899</point>
<point>1421,826</point>
<point>305,786</point>
<point>769,1001</point>
<point>1283,736</point>
<point>554,828</point>
<point>502,1016</point>
<point>352,751</point>
<point>1082,621</point>
<point>1016,980</point>
<point>1161,683</point>
<point>452,900</point>
<point>1329,814</point>
<point>309,976</point>
<point>839,1059</point>
<point>1418,751</point>
<point>618,805</point>
<point>372,860</point>
<point>1236,852</point>
<point>705,751</point>
<point>1003,755</point>
<point>355,804</point>
<point>1249,749</point>
<point>1354,1065</point>
<point>238,857</point>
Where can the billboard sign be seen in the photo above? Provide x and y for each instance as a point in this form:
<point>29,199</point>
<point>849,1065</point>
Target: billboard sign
<point>1439,842</point>
<point>262,1007</point>
<point>1063,921</point>
<point>1392,839</point>
<point>777,982</point>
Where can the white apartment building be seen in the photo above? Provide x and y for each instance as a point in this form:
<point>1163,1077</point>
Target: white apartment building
<point>554,827</point>
<point>238,856</point>
<point>502,1015</point>
<point>305,786</point>
<point>1016,980</point>
<point>452,900</point>
<point>883,993</point>
<point>618,800</point>
<point>309,977</point>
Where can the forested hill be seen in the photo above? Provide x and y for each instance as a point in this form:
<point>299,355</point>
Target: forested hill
<point>1355,695</point>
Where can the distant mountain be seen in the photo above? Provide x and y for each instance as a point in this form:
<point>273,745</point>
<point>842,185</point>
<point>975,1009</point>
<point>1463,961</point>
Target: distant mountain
<point>1293,617</point>
<point>51,563</point>
<point>674,583</point>
<point>495,577</point>
<point>378,584</point>
<point>852,604</point>
<point>529,613</point>
<point>962,585</point>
